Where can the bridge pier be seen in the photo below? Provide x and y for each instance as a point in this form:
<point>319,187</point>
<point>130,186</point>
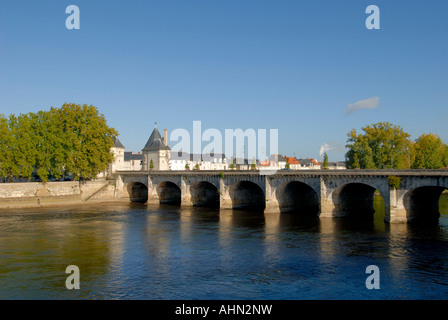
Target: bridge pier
<point>153,197</point>
<point>396,213</point>
<point>225,202</point>
<point>272,205</point>
<point>186,200</point>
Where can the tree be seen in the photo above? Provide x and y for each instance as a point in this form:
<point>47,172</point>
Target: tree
<point>70,139</point>
<point>287,165</point>
<point>325,163</point>
<point>187,167</point>
<point>5,145</point>
<point>87,140</point>
<point>10,165</point>
<point>151,165</point>
<point>381,146</point>
<point>25,145</point>
<point>196,167</point>
<point>49,139</point>
<point>355,161</point>
<point>253,166</point>
<point>430,152</point>
<point>232,165</point>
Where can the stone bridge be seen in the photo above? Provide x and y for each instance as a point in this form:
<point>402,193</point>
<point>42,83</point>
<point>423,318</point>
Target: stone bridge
<point>324,193</point>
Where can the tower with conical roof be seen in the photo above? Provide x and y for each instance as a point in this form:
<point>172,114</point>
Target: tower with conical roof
<point>118,152</point>
<point>157,150</point>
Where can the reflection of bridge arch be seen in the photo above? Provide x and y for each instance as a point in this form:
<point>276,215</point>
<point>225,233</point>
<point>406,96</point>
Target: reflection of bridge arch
<point>296,196</point>
<point>422,203</point>
<point>169,193</point>
<point>354,199</point>
<point>138,192</point>
<point>247,195</point>
<point>204,194</point>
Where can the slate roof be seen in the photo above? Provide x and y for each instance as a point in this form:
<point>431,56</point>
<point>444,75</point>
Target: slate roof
<point>128,156</point>
<point>277,157</point>
<point>179,155</point>
<point>118,144</point>
<point>155,142</point>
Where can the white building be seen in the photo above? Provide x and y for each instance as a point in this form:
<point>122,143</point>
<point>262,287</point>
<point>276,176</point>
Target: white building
<point>179,160</point>
<point>185,161</point>
<point>133,161</point>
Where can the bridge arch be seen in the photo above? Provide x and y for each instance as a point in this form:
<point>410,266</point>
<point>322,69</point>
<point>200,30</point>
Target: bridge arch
<point>169,193</point>
<point>138,192</point>
<point>204,194</point>
<point>247,195</point>
<point>355,199</point>
<point>298,197</point>
<point>422,203</point>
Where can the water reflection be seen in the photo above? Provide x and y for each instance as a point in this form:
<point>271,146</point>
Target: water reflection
<point>134,251</point>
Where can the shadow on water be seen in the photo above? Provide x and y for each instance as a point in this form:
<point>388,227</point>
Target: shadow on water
<point>201,215</point>
<point>299,221</point>
<point>361,222</point>
<point>247,219</point>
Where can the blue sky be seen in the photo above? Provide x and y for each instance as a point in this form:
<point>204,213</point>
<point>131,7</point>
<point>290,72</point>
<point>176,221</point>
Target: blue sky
<point>294,66</point>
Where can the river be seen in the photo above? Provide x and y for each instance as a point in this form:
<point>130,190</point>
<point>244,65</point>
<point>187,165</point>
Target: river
<point>134,251</point>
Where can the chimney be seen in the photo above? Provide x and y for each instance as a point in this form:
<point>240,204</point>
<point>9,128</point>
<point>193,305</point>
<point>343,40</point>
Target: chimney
<point>165,137</point>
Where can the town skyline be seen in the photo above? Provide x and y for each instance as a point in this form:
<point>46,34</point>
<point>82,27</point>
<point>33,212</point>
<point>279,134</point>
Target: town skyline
<point>312,70</point>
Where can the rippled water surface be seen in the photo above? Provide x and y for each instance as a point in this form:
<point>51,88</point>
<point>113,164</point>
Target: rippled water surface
<point>131,251</point>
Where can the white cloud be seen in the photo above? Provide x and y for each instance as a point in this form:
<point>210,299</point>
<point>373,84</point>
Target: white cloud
<point>328,147</point>
<point>370,103</point>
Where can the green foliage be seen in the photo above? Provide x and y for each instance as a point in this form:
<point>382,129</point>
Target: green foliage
<point>378,147</point>
<point>221,175</point>
<point>430,152</point>
<point>6,145</point>
<point>151,164</point>
<point>394,182</point>
<point>196,167</point>
<point>325,163</point>
<point>232,165</point>
<point>187,167</point>
<point>72,139</point>
<point>355,163</point>
<point>253,166</point>
<point>87,140</point>
<point>287,166</point>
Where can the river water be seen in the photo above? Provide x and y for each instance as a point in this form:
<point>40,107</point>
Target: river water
<point>133,251</point>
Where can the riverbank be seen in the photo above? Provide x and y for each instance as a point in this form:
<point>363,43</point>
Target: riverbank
<point>36,194</point>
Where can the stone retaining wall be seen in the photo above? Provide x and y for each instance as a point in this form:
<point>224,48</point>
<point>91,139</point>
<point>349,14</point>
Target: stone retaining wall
<point>34,194</point>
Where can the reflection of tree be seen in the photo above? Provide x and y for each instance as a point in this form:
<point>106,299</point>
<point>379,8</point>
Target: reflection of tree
<point>44,244</point>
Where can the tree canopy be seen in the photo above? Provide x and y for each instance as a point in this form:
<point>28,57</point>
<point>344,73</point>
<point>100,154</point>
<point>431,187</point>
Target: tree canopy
<point>384,145</point>
<point>325,163</point>
<point>430,152</point>
<point>381,146</point>
<point>70,140</point>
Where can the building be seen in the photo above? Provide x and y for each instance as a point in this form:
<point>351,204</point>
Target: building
<point>340,165</point>
<point>179,160</point>
<point>215,161</point>
<point>117,163</point>
<point>309,164</point>
<point>156,153</point>
<point>133,161</point>
<point>294,164</point>
<point>279,160</point>
<point>211,161</point>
